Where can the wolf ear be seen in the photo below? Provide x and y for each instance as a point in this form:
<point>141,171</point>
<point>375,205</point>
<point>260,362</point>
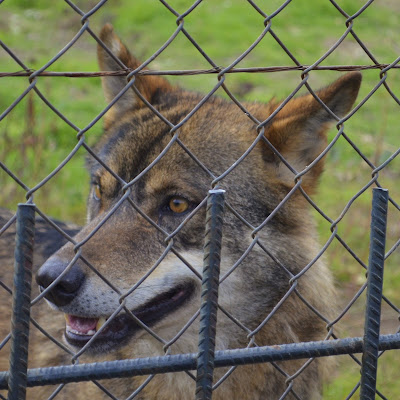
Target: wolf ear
<point>148,85</point>
<point>298,131</point>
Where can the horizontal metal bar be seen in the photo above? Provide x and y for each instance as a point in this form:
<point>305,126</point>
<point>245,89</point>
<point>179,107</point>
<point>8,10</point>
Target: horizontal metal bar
<point>185,362</point>
<point>127,71</point>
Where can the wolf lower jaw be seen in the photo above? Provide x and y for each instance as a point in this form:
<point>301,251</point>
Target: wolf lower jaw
<point>109,333</point>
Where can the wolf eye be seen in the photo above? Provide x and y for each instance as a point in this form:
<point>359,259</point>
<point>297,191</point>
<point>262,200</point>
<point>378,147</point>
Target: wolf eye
<point>178,205</point>
<point>97,192</point>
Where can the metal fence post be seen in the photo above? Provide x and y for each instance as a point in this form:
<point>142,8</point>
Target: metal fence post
<point>209,294</point>
<point>21,301</point>
<point>374,293</point>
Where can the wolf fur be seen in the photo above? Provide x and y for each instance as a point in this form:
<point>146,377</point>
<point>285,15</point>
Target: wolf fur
<point>127,245</point>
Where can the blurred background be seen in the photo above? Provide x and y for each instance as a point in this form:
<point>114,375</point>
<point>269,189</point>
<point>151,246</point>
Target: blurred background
<point>34,140</point>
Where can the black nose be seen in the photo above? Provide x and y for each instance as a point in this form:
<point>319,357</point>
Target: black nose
<point>67,288</point>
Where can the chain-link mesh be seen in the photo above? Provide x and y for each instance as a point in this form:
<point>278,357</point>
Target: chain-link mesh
<point>301,299</point>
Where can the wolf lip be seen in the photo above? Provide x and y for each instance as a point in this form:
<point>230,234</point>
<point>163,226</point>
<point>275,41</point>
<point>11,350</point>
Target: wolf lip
<point>79,330</point>
<point>80,325</point>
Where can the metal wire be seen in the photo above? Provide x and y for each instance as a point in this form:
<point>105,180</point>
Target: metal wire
<point>253,234</point>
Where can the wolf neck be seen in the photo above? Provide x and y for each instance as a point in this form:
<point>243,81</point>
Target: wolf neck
<point>245,383</point>
<point>265,380</point>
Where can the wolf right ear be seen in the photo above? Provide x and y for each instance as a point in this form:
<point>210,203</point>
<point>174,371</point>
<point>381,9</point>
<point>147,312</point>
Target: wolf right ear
<point>147,85</point>
<point>298,131</point>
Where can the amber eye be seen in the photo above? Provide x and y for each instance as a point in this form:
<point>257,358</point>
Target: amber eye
<point>178,205</point>
<point>97,192</point>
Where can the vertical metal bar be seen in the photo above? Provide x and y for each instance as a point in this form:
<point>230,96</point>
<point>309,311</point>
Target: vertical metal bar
<point>374,293</point>
<point>209,294</point>
<point>21,301</point>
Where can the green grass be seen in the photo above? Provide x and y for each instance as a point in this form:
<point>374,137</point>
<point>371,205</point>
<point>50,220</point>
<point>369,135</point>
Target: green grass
<point>34,140</point>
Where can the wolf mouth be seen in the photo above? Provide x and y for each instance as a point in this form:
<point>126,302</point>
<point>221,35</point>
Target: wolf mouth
<point>79,330</point>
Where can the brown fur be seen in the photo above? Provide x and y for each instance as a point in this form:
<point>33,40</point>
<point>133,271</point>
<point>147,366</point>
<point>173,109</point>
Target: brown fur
<point>127,245</point>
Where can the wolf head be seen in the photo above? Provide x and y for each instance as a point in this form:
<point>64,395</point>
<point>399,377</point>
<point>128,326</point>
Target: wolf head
<point>142,247</point>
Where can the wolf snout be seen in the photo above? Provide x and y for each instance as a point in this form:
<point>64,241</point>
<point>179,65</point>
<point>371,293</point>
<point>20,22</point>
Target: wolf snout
<point>66,288</point>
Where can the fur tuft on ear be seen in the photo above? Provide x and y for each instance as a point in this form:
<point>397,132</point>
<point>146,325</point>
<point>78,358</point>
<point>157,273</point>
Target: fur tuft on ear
<point>298,131</point>
<point>148,85</point>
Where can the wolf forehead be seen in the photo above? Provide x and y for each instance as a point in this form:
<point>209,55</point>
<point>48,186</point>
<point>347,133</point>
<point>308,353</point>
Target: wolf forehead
<point>132,142</point>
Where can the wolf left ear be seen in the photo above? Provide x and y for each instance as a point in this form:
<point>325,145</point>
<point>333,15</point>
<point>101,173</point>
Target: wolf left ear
<point>148,85</point>
<point>298,131</point>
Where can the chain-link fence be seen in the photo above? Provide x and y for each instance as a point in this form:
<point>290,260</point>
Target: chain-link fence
<point>199,273</point>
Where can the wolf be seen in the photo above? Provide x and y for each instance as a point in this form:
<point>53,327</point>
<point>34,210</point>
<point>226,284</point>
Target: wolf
<point>136,284</point>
